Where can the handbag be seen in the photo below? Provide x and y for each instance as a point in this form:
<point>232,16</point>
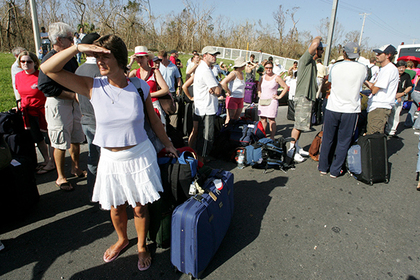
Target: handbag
<point>265,102</point>
<point>150,133</point>
<point>167,103</point>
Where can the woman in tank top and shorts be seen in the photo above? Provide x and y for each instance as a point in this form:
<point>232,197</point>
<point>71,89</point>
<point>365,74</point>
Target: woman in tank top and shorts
<point>234,85</point>
<point>267,92</point>
<point>128,172</point>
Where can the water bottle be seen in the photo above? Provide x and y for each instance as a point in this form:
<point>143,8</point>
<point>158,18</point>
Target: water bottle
<point>241,159</point>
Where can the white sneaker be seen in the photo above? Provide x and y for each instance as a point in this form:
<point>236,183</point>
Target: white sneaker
<point>301,151</point>
<point>1,246</point>
<point>298,158</point>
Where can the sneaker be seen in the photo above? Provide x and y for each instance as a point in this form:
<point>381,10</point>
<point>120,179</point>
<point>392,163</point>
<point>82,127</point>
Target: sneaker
<point>323,172</point>
<point>290,152</point>
<point>1,246</point>
<point>298,158</point>
<point>302,152</point>
<point>333,176</point>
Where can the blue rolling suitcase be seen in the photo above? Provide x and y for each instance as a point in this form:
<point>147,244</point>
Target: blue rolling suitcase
<point>200,223</point>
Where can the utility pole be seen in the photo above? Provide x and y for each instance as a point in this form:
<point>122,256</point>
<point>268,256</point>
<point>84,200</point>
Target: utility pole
<point>37,38</point>
<point>330,33</point>
<point>363,26</point>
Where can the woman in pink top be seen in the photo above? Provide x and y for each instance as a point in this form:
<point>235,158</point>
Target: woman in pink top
<point>267,92</point>
<point>128,172</point>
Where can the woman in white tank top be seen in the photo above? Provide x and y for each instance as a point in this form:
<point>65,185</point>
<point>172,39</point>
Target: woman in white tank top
<point>128,172</point>
<point>234,85</point>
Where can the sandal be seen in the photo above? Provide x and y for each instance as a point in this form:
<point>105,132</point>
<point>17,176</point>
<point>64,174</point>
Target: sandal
<point>143,260</point>
<point>418,186</point>
<point>66,186</point>
<point>40,166</point>
<point>117,253</point>
<point>44,170</point>
<point>83,174</point>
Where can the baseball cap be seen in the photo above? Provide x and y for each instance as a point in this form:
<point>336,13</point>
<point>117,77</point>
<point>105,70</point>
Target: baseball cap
<point>90,38</point>
<point>352,50</point>
<point>210,50</point>
<point>401,63</point>
<point>173,51</point>
<point>388,49</point>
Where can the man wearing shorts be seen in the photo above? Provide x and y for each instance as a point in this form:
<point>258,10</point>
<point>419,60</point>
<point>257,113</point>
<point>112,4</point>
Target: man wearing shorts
<point>306,89</point>
<point>62,111</point>
<point>206,92</point>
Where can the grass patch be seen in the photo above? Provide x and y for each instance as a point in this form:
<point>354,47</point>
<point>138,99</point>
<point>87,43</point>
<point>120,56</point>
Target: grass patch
<point>7,97</point>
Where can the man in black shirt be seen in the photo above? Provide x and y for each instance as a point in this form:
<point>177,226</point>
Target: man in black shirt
<point>62,111</point>
<point>404,87</point>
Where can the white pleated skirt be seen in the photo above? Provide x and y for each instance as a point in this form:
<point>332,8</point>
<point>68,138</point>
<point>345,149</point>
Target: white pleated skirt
<point>131,176</point>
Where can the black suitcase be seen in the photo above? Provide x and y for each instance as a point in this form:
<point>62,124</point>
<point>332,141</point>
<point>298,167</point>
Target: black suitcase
<point>368,160</point>
<point>19,192</point>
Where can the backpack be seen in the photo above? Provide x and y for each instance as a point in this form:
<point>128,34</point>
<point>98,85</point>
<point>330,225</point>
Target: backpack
<point>267,153</point>
<point>315,146</point>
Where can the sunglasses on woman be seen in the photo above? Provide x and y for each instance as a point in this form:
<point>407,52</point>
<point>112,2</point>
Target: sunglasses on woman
<point>26,61</point>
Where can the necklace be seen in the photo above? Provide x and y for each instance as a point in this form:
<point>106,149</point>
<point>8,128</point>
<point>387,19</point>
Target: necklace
<point>114,97</point>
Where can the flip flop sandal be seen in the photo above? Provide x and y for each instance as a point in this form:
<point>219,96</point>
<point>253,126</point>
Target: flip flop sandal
<point>40,166</point>
<point>81,175</point>
<point>143,260</point>
<point>44,170</point>
<point>66,186</point>
<point>115,256</point>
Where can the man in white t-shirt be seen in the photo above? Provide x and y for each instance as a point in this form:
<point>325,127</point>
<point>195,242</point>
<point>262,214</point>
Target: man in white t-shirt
<point>206,92</point>
<point>374,69</point>
<point>278,69</point>
<point>342,109</point>
<point>383,90</point>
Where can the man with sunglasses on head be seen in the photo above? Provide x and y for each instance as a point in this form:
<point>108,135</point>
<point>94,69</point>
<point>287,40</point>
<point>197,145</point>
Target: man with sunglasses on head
<point>383,90</point>
<point>62,111</point>
<point>306,89</point>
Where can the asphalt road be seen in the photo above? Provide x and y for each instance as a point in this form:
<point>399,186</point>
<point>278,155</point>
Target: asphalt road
<point>294,225</point>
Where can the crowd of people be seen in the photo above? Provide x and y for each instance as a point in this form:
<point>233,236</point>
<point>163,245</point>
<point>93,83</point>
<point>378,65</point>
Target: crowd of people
<point>64,103</point>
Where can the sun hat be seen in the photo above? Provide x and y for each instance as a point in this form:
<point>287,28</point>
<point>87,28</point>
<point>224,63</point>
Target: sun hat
<point>140,51</point>
<point>239,62</point>
<point>210,50</point>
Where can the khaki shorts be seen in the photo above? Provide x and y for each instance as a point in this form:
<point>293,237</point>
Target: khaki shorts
<point>303,111</point>
<point>63,117</point>
<point>376,120</point>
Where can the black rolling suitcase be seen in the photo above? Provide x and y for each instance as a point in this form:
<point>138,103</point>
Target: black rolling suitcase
<point>367,161</point>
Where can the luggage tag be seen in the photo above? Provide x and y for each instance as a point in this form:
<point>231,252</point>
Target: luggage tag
<point>218,183</point>
<point>193,189</point>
